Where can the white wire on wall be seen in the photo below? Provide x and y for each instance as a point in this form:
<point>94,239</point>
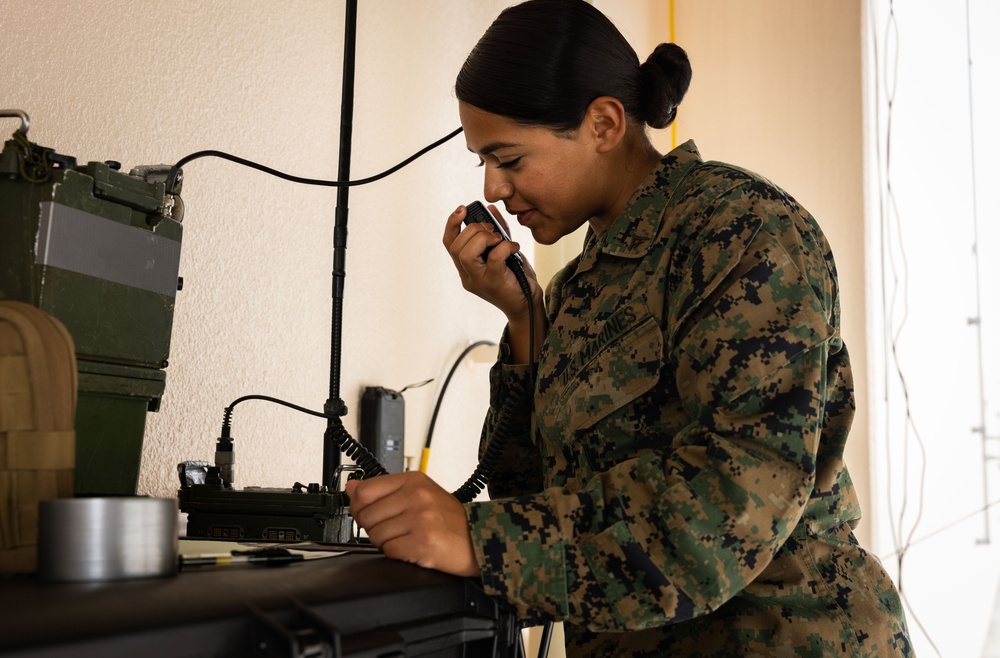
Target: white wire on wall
<point>977,320</point>
<point>906,455</point>
<point>893,288</point>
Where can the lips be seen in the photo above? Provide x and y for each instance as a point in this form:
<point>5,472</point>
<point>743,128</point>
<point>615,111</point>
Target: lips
<point>523,216</point>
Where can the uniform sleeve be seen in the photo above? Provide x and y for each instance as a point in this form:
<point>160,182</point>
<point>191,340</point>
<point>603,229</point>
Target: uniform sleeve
<point>519,470</point>
<point>677,531</point>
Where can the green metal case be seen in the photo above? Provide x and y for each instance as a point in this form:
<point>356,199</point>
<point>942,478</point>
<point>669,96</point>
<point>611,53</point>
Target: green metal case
<point>96,248</point>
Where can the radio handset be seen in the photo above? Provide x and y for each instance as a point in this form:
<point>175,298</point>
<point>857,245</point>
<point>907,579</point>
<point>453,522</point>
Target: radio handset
<point>514,404</point>
<point>476,213</point>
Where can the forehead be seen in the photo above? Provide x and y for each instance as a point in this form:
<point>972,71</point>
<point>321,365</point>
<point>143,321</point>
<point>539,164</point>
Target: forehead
<point>486,132</point>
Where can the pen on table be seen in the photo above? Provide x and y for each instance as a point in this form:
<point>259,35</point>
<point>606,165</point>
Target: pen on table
<point>261,558</point>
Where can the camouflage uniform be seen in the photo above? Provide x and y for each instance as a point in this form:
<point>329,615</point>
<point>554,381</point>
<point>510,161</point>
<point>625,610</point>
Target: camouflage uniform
<point>680,489</point>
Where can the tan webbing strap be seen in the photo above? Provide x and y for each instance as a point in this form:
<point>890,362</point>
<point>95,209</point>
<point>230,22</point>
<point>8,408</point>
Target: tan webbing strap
<point>21,318</point>
<point>15,392</point>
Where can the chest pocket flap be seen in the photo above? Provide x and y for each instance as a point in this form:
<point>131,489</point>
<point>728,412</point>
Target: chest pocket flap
<point>608,372</point>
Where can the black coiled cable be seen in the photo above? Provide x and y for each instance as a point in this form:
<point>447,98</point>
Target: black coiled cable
<point>341,438</point>
<point>337,433</point>
<point>491,456</point>
<point>502,430</point>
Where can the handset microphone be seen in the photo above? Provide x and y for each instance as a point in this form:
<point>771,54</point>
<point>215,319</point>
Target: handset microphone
<point>476,213</point>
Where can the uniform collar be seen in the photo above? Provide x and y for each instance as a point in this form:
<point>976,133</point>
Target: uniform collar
<point>633,231</point>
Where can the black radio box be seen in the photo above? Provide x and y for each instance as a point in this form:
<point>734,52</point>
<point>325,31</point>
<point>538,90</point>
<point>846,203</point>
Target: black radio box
<point>382,414</point>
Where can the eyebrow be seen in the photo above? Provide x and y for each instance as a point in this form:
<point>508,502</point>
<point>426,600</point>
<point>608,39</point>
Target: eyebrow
<point>493,146</point>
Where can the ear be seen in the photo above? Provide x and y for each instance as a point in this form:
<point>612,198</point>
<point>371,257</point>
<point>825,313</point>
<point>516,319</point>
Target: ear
<point>605,120</point>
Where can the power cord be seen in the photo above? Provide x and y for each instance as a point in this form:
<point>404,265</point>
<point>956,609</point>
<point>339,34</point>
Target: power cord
<point>336,431</point>
<point>174,174</point>
<point>425,455</point>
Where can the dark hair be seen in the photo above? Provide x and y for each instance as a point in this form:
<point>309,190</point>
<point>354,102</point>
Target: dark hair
<point>542,62</point>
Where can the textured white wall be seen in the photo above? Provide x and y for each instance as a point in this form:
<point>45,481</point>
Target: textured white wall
<point>148,82</point>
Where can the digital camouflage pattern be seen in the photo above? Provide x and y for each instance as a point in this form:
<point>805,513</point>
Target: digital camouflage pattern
<point>680,489</point>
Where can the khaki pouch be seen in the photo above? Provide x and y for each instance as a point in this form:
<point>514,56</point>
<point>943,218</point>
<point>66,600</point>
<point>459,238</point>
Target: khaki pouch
<point>38,388</point>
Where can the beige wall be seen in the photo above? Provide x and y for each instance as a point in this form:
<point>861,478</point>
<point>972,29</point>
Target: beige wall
<point>777,89</point>
<point>148,82</point>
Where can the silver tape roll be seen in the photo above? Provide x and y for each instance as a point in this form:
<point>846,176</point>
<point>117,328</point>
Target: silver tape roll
<point>98,539</point>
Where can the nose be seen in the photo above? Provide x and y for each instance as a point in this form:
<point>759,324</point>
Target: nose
<point>496,187</point>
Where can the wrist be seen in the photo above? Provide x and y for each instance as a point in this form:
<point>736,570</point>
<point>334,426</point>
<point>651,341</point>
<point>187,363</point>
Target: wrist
<point>520,340</point>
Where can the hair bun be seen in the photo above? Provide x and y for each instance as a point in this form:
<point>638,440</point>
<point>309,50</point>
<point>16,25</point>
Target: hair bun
<point>666,76</point>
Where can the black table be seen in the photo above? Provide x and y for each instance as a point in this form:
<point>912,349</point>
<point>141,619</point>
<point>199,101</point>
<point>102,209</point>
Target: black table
<point>358,605</point>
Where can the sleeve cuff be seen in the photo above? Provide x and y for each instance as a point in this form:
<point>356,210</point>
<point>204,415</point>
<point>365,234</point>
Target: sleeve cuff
<point>517,566</point>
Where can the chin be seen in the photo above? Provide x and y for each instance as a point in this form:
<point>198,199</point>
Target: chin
<point>542,237</point>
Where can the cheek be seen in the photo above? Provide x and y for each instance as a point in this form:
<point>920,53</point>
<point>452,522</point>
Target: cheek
<point>549,187</point>
<point>554,184</point>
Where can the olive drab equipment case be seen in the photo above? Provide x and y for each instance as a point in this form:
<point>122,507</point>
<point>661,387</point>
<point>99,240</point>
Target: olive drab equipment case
<point>98,249</point>
<point>38,388</point>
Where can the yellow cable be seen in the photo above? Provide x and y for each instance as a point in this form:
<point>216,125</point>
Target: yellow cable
<point>424,457</point>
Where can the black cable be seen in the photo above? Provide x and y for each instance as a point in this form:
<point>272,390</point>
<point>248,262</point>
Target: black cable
<point>335,432</point>
<point>227,415</point>
<point>444,387</point>
<point>494,451</point>
<point>502,429</point>
<point>522,280</point>
<point>175,170</point>
<point>338,435</point>
<point>334,407</point>
<point>543,643</point>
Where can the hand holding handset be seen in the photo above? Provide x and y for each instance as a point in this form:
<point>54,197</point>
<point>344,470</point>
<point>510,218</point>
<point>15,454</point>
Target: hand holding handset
<point>475,213</point>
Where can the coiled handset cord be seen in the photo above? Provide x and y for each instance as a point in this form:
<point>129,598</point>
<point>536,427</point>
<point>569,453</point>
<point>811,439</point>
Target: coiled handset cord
<point>502,430</point>
<point>502,433</point>
<point>487,463</point>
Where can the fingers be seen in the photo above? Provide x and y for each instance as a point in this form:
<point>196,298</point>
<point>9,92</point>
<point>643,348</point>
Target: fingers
<point>411,518</point>
<point>372,500</point>
<point>466,244</point>
<point>453,227</point>
<point>457,236</point>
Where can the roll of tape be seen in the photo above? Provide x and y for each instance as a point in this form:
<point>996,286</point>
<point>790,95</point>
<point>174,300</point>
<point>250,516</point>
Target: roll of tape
<point>98,539</point>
